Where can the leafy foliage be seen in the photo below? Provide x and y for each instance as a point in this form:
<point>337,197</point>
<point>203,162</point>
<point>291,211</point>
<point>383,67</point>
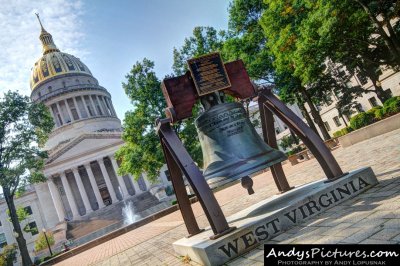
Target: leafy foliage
<point>288,141</point>
<point>142,151</point>
<point>24,127</point>
<point>391,106</point>
<point>204,40</point>
<point>342,132</point>
<point>361,120</point>
<point>8,255</point>
<point>40,242</point>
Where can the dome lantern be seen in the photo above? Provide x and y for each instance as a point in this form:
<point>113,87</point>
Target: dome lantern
<point>54,63</point>
<point>47,39</point>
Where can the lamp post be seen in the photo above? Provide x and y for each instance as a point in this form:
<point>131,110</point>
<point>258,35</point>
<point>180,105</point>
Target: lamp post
<point>47,241</point>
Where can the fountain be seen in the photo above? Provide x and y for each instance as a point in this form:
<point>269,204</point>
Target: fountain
<point>127,211</point>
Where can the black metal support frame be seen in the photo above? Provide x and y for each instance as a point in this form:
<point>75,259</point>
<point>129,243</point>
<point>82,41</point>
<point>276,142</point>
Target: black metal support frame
<point>180,163</point>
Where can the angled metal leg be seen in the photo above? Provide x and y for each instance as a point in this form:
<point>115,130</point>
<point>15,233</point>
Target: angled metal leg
<point>196,179</point>
<point>310,139</point>
<point>180,192</point>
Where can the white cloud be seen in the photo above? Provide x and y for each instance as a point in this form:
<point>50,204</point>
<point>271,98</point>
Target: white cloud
<point>20,46</point>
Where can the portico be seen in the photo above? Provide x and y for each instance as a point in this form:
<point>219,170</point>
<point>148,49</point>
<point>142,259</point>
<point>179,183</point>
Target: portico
<point>89,186</point>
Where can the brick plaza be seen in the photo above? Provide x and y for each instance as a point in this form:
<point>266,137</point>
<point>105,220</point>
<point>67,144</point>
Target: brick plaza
<point>372,217</point>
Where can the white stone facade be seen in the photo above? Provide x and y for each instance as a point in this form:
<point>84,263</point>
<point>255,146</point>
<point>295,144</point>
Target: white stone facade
<point>389,80</point>
<point>81,169</point>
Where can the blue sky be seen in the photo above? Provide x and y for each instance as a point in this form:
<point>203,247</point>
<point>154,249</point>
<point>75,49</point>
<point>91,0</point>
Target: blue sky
<point>108,36</point>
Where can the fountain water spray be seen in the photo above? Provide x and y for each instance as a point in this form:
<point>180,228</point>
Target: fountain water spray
<point>127,211</point>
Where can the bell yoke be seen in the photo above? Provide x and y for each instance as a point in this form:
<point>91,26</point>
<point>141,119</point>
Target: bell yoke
<point>231,147</point>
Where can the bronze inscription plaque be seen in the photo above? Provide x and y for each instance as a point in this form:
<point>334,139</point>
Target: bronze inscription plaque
<point>208,73</point>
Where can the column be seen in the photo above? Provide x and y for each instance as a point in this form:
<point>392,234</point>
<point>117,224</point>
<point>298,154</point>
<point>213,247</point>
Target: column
<point>148,185</point>
<point>121,182</point>
<point>108,181</point>
<point>111,106</point>
<point>94,106</point>
<point>77,108</point>
<point>94,186</point>
<point>135,186</point>
<point>70,197</point>
<point>56,199</point>
<point>60,113</point>
<point>82,190</point>
<point>85,105</point>
<point>101,105</point>
<point>68,110</point>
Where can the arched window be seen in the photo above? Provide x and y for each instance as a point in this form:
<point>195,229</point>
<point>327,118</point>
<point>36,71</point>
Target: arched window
<point>50,88</point>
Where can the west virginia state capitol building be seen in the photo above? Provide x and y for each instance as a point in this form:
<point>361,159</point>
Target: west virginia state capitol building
<point>81,170</point>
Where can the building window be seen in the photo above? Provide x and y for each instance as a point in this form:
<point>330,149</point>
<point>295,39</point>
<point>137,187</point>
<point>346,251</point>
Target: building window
<point>81,106</point>
<point>31,228</point>
<point>96,103</point>
<point>72,107</point>
<point>28,210</point>
<point>64,84</point>
<point>362,78</point>
<point>57,116</point>
<point>337,121</point>
<point>327,126</point>
<point>50,89</point>
<point>3,240</point>
<point>88,105</point>
<point>389,92</point>
<point>359,108</point>
<point>61,191</point>
<point>372,101</point>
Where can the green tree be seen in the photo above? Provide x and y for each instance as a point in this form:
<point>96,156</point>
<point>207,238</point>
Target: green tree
<point>41,243</point>
<point>8,255</point>
<point>203,41</point>
<point>24,126</point>
<point>328,31</point>
<point>142,151</point>
<point>282,21</point>
<point>246,40</point>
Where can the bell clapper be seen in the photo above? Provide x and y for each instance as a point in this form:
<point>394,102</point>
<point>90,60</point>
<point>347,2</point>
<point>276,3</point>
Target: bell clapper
<point>247,183</point>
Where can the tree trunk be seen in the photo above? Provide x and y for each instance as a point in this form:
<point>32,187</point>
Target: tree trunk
<point>26,259</point>
<point>308,118</point>
<point>380,93</point>
<point>381,31</point>
<point>315,114</point>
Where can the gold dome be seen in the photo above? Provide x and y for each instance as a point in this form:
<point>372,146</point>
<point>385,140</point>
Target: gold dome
<point>53,62</point>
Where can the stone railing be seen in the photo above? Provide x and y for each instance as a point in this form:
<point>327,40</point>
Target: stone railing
<point>370,131</point>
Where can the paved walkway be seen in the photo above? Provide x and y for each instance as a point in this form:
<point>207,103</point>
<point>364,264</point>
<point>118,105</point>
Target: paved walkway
<point>372,217</point>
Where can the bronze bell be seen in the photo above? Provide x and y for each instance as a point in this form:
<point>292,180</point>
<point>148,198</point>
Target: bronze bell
<point>231,147</point>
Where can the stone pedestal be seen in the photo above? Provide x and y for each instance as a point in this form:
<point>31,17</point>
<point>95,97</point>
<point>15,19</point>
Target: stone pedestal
<point>271,217</point>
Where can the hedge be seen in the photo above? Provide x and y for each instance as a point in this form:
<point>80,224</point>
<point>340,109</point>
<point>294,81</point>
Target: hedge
<point>361,120</point>
<point>342,132</point>
<point>391,106</point>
